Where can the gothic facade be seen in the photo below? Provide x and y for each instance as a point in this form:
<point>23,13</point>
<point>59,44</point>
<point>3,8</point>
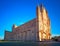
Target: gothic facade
<point>37,29</point>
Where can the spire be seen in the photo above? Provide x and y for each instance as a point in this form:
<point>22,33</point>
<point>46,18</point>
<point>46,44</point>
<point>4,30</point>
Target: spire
<point>41,7</point>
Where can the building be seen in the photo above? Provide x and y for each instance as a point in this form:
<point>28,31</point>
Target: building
<point>37,29</point>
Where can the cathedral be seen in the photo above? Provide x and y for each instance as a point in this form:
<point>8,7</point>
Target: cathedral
<point>37,29</point>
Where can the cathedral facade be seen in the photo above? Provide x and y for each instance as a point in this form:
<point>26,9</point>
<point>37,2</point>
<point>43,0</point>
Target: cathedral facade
<point>37,29</point>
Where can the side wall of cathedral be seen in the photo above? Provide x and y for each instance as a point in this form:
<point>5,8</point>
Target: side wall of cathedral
<point>25,32</point>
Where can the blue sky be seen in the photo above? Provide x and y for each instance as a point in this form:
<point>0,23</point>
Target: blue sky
<point>20,11</point>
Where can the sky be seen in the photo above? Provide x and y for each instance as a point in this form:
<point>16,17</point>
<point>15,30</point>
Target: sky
<point>20,11</point>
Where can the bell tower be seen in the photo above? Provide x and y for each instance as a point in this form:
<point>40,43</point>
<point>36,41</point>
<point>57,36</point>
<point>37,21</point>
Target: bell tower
<point>43,23</point>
